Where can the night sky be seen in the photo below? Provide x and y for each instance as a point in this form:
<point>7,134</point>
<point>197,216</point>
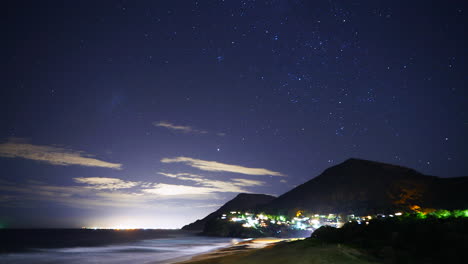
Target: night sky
<point>155,113</point>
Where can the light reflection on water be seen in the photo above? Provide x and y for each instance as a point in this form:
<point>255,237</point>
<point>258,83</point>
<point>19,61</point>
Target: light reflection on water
<point>165,250</point>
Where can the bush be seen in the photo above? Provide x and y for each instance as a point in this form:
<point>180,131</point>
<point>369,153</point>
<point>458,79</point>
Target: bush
<point>328,234</point>
<point>405,239</point>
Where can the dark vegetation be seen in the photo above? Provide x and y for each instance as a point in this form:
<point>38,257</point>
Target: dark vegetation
<point>406,239</point>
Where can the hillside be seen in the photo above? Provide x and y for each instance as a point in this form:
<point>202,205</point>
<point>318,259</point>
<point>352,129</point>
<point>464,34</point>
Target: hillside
<point>241,202</point>
<point>365,187</point>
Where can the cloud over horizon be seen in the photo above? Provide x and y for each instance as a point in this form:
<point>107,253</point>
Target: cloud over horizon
<point>52,155</point>
<point>221,167</point>
<point>107,192</point>
<point>115,192</point>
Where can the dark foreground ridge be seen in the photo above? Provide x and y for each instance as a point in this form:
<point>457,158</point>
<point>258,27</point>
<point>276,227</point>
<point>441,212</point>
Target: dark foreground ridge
<point>242,202</point>
<point>406,239</point>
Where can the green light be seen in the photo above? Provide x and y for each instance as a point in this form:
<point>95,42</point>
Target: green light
<point>442,213</point>
<point>421,216</point>
<point>460,213</point>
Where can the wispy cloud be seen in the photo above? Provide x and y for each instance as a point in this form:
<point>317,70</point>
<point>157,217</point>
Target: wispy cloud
<point>178,190</point>
<point>100,183</point>
<point>247,182</point>
<point>222,167</point>
<point>184,129</point>
<point>181,176</point>
<point>52,155</point>
<point>235,185</point>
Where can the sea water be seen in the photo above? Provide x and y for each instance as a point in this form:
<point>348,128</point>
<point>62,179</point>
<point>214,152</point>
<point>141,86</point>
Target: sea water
<point>159,250</point>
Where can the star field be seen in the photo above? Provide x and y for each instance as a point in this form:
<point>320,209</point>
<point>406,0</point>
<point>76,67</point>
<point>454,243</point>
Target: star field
<point>289,86</point>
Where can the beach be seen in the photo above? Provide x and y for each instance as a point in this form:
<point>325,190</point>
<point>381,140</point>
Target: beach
<point>238,247</point>
<point>280,251</point>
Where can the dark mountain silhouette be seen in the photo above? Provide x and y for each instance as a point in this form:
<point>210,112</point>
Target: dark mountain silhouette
<point>242,202</point>
<point>358,187</point>
<point>364,187</point>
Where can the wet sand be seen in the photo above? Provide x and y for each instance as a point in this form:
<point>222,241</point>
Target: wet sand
<point>280,251</point>
<point>239,248</point>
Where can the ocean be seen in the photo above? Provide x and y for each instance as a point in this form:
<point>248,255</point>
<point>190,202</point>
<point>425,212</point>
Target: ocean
<point>122,247</point>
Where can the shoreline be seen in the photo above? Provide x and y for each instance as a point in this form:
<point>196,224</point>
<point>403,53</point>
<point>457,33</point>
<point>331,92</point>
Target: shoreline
<point>239,248</point>
<point>280,251</point>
